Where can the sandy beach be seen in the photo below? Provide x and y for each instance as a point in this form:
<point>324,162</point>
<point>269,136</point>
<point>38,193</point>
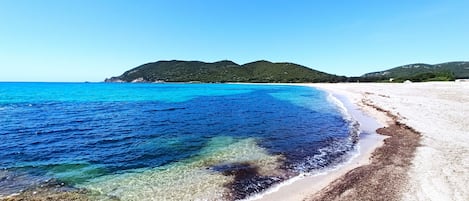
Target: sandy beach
<point>424,157</point>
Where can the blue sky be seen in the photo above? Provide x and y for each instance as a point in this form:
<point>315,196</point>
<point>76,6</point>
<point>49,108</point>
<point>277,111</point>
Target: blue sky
<point>89,40</point>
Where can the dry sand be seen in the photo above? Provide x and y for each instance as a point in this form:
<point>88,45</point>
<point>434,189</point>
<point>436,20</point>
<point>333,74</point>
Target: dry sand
<point>426,157</point>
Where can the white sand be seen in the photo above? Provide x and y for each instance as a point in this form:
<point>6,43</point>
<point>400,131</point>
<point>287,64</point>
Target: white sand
<point>438,110</point>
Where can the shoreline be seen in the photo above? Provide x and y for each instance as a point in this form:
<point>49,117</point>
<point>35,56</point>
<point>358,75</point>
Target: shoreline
<point>396,168</point>
<point>438,166</point>
<point>386,175</point>
<point>427,155</point>
<point>303,186</point>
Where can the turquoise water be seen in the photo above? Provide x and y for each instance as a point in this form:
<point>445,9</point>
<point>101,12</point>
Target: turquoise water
<point>166,141</point>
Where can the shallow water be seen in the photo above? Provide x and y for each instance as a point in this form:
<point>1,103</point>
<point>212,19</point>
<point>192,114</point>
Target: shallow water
<point>167,141</point>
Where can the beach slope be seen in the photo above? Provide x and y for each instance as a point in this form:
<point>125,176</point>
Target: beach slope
<point>431,165</point>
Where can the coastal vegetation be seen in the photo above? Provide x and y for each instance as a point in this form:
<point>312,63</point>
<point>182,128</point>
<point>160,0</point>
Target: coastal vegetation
<point>419,73</point>
<point>268,72</point>
<point>224,71</point>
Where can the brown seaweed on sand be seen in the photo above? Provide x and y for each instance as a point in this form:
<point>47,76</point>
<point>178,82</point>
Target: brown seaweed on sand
<point>385,177</point>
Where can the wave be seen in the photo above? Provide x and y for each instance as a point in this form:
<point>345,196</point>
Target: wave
<point>5,107</point>
<point>354,125</point>
<point>166,109</point>
<point>336,152</point>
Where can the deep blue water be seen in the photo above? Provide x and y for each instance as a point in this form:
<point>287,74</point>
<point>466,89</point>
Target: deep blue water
<point>77,132</point>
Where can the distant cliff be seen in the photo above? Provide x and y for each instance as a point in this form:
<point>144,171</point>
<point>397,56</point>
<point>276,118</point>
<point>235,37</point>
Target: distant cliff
<point>224,71</point>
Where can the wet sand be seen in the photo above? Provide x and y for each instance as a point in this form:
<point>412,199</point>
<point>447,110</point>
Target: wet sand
<point>384,177</point>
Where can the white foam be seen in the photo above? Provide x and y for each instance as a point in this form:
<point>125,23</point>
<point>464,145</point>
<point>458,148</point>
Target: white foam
<point>274,188</point>
<point>354,125</point>
<point>352,155</point>
<point>6,108</point>
<point>340,106</point>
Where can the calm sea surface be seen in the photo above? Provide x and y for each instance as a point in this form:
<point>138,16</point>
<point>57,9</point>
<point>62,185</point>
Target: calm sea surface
<point>166,141</point>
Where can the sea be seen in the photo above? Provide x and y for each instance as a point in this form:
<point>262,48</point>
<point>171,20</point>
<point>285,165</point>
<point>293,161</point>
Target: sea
<point>129,141</point>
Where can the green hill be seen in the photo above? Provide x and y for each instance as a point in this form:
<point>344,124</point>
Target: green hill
<point>421,72</point>
<point>223,71</point>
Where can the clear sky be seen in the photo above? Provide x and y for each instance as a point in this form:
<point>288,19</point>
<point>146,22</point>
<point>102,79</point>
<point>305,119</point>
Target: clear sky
<point>89,40</point>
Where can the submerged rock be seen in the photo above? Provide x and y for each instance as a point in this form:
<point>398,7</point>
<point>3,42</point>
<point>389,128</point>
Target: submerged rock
<point>247,179</point>
<point>51,190</point>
